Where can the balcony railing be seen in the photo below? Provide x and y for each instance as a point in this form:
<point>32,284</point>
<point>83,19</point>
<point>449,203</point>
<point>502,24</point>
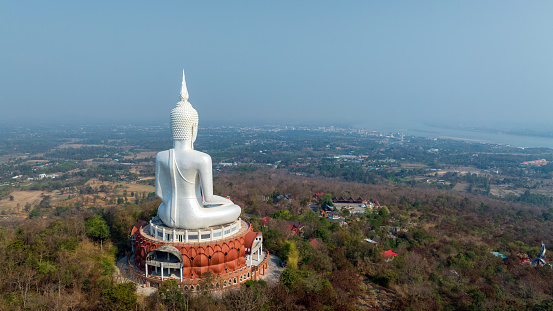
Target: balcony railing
<point>181,237</point>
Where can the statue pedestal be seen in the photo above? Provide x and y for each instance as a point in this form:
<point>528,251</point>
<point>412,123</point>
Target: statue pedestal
<point>233,257</point>
<point>158,230</point>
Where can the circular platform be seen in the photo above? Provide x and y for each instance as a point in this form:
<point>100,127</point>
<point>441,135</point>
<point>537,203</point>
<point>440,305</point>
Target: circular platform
<point>156,229</point>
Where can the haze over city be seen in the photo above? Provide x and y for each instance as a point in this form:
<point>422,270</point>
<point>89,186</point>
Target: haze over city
<point>363,155</point>
<point>364,63</point>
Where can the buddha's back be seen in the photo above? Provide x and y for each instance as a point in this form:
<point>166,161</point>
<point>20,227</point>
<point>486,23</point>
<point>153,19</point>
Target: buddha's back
<point>184,179</point>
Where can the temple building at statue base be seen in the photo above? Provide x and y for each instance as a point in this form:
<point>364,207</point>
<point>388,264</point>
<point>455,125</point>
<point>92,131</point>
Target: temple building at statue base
<point>233,253</point>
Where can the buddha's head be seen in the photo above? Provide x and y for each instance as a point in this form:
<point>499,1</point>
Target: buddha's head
<point>184,118</point>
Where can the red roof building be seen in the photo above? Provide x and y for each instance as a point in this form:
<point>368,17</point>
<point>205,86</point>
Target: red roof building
<point>388,254</point>
<point>315,243</point>
<point>295,227</point>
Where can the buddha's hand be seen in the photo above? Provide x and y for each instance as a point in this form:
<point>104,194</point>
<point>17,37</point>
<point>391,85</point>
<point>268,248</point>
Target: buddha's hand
<point>218,200</point>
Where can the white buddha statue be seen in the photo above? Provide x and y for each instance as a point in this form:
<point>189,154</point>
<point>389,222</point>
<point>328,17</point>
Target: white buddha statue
<point>184,177</point>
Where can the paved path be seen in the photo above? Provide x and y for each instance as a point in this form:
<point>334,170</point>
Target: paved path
<point>274,269</point>
<point>122,275</point>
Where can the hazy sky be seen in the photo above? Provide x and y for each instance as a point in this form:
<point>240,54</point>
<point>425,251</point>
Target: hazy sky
<point>364,62</point>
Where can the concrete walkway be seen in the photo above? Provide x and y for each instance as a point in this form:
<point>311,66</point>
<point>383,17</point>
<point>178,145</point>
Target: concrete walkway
<point>122,275</point>
<point>274,269</point>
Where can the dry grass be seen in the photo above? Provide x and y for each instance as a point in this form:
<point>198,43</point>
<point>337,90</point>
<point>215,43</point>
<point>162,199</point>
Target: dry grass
<point>136,187</point>
<point>94,182</point>
<point>461,187</point>
<point>21,198</point>
<point>6,158</point>
<point>413,165</point>
<point>142,155</point>
<point>73,145</point>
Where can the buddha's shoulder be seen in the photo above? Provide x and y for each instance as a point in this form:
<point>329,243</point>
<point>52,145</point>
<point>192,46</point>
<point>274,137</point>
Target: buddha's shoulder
<point>200,155</point>
<point>189,154</point>
<point>162,155</point>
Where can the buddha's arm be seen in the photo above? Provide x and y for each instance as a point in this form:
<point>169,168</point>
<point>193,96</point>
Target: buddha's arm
<point>159,177</point>
<point>206,179</point>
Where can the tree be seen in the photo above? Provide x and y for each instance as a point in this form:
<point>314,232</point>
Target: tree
<point>292,254</point>
<point>173,296</point>
<point>34,213</point>
<point>45,203</point>
<point>289,277</point>
<point>207,281</point>
<point>325,199</point>
<point>252,295</point>
<point>322,234</point>
<point>97,228</point>
<point>384,213</point>
<point>284,214</point>
<point>121,296</point>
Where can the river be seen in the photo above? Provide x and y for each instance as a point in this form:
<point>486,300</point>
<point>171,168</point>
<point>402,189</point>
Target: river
<point>493,137</point>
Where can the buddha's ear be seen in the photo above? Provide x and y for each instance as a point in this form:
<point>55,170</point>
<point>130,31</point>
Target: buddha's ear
<point>194,132</point>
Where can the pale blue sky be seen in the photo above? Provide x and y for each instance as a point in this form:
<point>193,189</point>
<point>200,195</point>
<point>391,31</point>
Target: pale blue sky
<point>278,61</point>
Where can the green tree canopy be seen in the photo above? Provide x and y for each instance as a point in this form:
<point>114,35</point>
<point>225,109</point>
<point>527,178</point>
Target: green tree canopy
<point>97,228</point>
<point>284,214</point>
<point>325,199</point>
<point>121,296</point>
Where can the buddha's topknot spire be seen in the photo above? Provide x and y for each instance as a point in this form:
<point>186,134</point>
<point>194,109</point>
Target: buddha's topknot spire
<point>184,90</point>
<point>184,118</point>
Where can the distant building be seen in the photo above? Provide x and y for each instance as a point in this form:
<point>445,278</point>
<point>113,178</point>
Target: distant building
<point>350,200</point>
<point>42,176</point>
<point>388,255</point>
<point>536,162</point>
<point>282,197</point>
<point>335,217</point>
<point>295,227</point>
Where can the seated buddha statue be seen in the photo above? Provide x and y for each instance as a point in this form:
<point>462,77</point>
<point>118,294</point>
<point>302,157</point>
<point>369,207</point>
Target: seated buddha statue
<point>184,181</point>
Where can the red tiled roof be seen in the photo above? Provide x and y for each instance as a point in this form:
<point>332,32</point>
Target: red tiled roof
<point>388,254</point>
<point>139,224</point>
<point>248,241</point>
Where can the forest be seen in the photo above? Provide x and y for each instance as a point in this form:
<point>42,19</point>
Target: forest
<point>67,259</point>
